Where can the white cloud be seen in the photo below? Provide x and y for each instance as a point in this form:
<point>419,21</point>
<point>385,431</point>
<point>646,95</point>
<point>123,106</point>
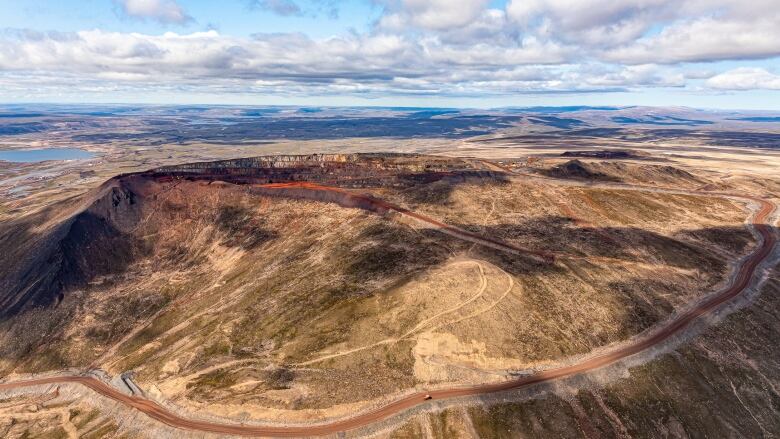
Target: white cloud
<point>295,63</point>
<point>426,46</point>
<point>431,14</point>
<point>647,75</point>
<point>590,22</point>
<point>527,51</point>
<point>165,11</point>
<point>621,31</point>
<point>655,31</point>
<point>705,40</point>
<point>745,78</point>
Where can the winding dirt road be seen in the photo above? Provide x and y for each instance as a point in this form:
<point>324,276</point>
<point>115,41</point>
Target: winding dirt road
<point>739,282</point>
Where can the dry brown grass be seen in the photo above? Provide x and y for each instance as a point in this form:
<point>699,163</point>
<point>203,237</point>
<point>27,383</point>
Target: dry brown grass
<point>353,306</point>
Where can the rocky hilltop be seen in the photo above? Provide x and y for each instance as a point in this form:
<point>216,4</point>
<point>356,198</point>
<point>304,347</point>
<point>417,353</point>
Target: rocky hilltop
<point>344,170</point>
<point>98,237</point>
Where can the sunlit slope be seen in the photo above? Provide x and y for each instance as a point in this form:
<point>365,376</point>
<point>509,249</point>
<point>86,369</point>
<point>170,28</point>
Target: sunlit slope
<point>224,297</point>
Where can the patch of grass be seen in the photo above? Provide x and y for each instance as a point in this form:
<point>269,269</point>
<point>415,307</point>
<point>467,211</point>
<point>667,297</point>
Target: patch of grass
<point>156,328</point>
<point>399,359</point>
<point>731,239</point>
<point>106,429</point>
<point>410,430</point>
<point>132,348</point>
<point>242,227</point>
<point>545,417</point>
<point>121,314</point>
<point>219,347</point>
<point>55,433</point>
<point>80,419</point>
<point>218,379</point>
<point>443,424</point>
<point>388,250</point>
<point>50,358</point>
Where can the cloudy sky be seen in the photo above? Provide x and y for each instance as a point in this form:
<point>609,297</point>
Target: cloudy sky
<point>478,53</point>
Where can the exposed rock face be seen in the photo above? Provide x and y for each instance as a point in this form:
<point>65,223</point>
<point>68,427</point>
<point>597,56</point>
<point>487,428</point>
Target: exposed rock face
<point>577,169</point>
<point>603,154</point>
<point>99,238</point>
<point>277,161</point>
<point>344,170</point>
<point>616,171</point>
<point>93,242</point>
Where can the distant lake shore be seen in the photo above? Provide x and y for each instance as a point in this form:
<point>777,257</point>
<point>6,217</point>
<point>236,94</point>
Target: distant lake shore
<point>40,155</point>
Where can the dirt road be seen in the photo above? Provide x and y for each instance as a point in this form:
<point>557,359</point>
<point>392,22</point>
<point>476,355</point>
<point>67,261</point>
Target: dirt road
<point>739,282</point>
<point>375,204</point>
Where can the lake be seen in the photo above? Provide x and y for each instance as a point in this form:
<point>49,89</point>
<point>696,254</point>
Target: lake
<point>39,155</point>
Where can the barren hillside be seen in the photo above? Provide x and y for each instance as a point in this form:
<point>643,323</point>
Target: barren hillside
<point>303,287</point>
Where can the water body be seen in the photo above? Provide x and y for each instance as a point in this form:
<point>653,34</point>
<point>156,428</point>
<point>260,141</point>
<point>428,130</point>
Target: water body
<point>40,155</point>
<point>758,119</point>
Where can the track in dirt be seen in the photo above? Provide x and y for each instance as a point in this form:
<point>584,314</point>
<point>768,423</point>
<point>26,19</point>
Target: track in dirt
<point>740,281</point>
<point>375,204</point>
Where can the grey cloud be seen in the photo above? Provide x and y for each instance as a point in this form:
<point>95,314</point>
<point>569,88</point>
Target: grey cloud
<point>430,14</point>
<point>280,7</point>
<point>353,64</point>
<point>163,11</point>
<point>145,50</point>
<point>705,40</point>
<point>591,22</point>
<point>620,31</point>
<point>423,47</point>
